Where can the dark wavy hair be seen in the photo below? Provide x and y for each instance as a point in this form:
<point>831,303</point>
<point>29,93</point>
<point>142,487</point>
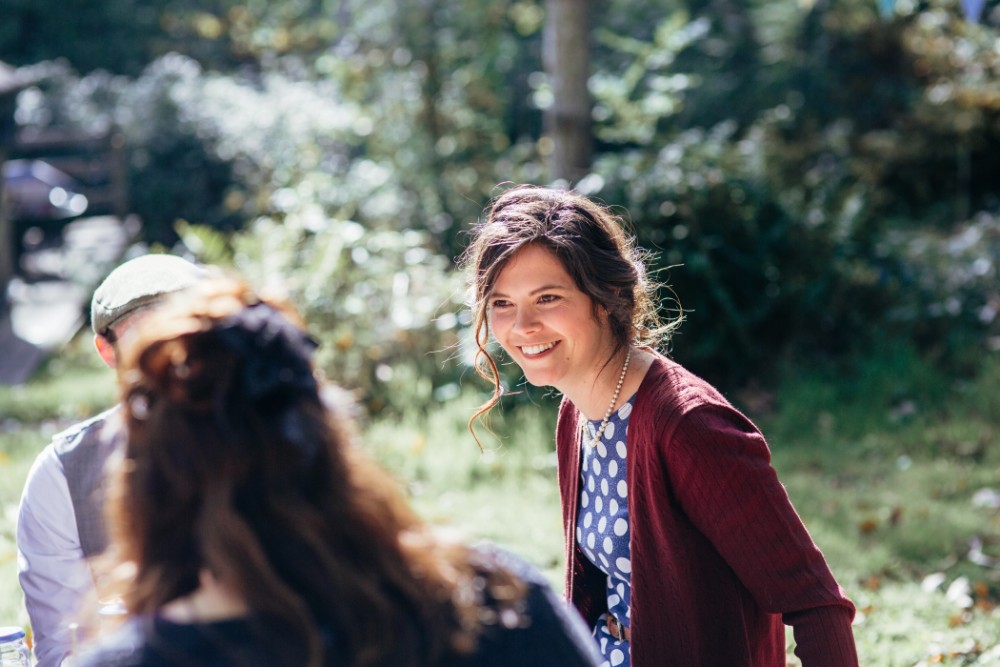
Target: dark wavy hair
<point>594,247</point>
<point>236,463</point>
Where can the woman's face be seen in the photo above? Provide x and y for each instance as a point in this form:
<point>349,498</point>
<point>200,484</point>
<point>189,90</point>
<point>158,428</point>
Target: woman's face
<point>546,324</point>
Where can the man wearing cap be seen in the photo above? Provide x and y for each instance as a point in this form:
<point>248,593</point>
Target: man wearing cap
<point>60,521</point>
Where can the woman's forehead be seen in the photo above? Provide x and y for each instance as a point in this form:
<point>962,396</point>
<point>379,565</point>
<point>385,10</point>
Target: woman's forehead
<point>533,267</point>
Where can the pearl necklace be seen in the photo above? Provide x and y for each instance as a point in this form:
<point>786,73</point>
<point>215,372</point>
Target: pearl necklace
<point>611,408</point>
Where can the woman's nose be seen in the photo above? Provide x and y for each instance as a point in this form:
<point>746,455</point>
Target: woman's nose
<point>526,320</point>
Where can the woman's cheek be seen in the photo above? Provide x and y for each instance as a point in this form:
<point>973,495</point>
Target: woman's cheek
<point>501,328</point>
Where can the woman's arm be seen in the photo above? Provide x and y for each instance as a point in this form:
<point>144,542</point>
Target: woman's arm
<point>721,473</point>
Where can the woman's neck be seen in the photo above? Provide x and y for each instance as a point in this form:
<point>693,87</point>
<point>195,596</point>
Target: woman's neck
<point>593,401</point>
<point>211,601</point>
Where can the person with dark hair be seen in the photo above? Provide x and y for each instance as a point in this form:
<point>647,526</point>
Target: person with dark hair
<point>248,529</point>
<point>682,547</point>
<point>60,521</point>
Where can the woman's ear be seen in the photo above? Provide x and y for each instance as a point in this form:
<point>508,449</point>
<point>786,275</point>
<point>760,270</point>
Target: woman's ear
<point>106,350</point>
<point>601,314</point>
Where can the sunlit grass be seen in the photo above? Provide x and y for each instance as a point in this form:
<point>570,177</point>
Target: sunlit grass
<point>507,493</point>
<point>884,460</point>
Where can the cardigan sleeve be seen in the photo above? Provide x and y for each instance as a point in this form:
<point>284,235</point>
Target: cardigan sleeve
<point>720,471</point>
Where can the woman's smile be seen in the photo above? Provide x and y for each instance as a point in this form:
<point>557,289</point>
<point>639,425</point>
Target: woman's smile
<point>536,350</point>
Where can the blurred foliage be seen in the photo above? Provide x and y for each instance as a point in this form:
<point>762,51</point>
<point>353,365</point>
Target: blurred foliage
<point>384,306</point>
<point>839,211</point>
<point>818,177</point>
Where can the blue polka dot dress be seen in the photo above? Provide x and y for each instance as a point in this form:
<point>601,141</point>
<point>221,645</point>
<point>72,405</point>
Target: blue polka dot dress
<point>602,524</point>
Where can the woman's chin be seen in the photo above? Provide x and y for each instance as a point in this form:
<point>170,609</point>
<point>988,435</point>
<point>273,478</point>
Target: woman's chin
<point>538,379</point>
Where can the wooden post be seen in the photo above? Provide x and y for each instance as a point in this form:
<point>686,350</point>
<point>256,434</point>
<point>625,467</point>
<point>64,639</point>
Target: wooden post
<point>566,54</point>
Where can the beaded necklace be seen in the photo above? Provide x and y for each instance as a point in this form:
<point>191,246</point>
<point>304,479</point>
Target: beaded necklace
<point>611,407</point>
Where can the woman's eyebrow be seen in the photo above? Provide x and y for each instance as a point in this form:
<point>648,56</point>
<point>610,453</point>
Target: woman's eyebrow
<point>543,288</point>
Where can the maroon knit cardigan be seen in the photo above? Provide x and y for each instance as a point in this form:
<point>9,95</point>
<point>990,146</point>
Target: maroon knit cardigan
<point>720,559</point>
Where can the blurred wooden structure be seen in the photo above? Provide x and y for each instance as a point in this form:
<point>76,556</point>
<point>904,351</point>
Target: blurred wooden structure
<point>45,290</point>
<point>16,355</point>
<point>12,82</point>
<point>95,162</point>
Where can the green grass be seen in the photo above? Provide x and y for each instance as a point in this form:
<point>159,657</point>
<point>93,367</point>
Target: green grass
<point>507,494</point>
<point>881,457</point>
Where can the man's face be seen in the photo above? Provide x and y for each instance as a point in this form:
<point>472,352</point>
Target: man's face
<point>125,328</point>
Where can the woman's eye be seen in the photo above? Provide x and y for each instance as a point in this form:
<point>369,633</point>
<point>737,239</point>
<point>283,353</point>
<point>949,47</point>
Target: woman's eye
<point>548,298</point>
<point>498,304</point>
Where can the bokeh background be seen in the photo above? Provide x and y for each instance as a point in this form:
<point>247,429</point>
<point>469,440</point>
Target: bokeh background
<point>817,180</point>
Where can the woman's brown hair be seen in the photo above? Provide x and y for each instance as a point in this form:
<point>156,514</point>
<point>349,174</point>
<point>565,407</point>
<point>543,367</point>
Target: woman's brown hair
<point>595,249</point>
<point>236,464</point>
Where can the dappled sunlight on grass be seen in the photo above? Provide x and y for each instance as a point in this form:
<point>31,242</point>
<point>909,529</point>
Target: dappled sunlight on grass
<point>507,494</point>
<point>911,623</point>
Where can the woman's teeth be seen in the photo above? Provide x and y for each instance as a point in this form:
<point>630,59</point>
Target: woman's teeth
<point>532,350</point>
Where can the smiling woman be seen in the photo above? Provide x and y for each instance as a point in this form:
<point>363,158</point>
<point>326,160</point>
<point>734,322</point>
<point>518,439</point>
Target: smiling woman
<point>594,270</point>
<point>671,509</point>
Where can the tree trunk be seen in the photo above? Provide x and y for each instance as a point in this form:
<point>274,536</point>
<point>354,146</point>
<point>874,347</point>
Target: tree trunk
<point>566,55</point>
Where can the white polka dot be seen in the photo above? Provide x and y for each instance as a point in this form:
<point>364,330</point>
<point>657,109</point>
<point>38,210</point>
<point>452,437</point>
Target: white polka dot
<point>584,499</point>
<point>609,432</point>
<point>628,613</point>
<point>621,527</point>
<point>579,534</point>
<point>613,600</point>
<point>598,504</point>
<point>588,519</point>
<point>590,485</point>
<point>608,545</point>
<point>624,564</point>
<point>617,657</point>
<point>604,560</point>
<point>621,589</point>
<point>622,489</point>
<point>602,450</point>
<point>613,468</point>
<point>604,647</point>
<point>620,448</point>
<point>613,507</point>
<point>624,411</point>
<point>602,524</point>
<point>604,486</point>
<point>590,542</point>
<point>597,467</point>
